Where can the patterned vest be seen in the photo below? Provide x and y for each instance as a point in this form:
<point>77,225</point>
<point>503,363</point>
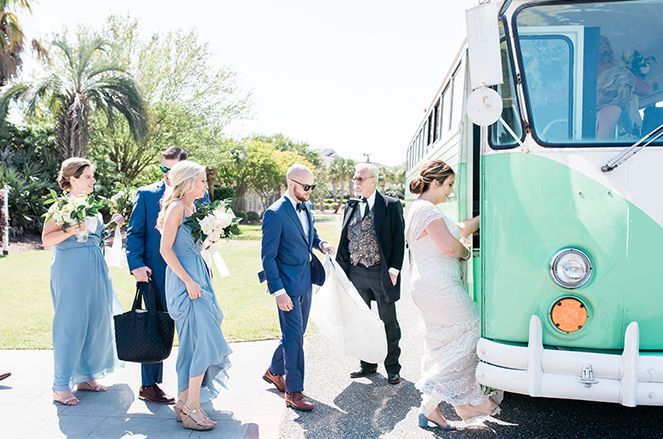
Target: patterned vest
<point>363,241</point>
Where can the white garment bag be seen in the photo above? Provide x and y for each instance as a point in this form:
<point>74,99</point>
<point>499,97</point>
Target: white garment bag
<point>342,316</point>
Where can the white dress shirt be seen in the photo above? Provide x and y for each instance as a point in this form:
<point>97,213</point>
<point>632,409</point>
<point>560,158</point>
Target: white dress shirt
<point>303,218</point>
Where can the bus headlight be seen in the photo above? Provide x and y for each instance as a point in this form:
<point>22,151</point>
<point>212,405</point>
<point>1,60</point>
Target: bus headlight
<point>570,268</point>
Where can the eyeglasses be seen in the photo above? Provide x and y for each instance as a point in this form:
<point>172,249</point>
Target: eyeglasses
<point>361,179</point>
<point>164,169</point>
<point>306,187</point>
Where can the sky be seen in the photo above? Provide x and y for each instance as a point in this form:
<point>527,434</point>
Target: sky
<point>354,76</point>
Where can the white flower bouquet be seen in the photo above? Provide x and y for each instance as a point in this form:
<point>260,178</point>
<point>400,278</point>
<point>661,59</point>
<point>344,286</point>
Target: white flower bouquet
<point>122,202</point>
<point>209,224</point>
<point>69,210</point>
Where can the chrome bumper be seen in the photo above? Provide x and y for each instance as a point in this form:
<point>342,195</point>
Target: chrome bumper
<point>629,379</point>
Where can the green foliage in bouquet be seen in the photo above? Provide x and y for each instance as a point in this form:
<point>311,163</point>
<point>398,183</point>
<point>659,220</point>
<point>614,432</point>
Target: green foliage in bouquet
<point>211,222</point>
<point>122,202</point>
<point>66,211</point>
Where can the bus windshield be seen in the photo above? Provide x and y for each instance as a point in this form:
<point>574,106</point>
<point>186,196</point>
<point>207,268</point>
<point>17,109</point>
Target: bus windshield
<point>592,72</point>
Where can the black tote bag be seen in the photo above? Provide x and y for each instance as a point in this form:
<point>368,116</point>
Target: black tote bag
<point>144,335</point>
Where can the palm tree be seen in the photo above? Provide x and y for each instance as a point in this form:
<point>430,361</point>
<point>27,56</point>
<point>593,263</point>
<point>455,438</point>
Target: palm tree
<point>341,171</point>
<point>12,39</point>
<point>84,85</point>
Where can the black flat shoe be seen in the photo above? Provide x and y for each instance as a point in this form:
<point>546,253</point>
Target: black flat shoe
<point>360,373</point>
<point>393,378</point>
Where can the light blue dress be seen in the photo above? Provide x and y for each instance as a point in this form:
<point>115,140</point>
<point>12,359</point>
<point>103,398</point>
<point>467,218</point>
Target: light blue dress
<point>202,349</point>
<point>82,293</point>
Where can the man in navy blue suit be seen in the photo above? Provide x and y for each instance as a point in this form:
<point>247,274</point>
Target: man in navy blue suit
<point>290,268</point>
<point>145,261</point>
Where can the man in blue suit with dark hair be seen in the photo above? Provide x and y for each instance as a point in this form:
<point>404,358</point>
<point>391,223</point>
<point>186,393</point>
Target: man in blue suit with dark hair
<point>290,269</point>
<point>145,261</point>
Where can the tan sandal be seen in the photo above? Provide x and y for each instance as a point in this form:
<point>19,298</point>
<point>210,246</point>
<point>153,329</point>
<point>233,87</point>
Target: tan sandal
<point>87,387</point>
<point>192,424</point>
<point>70,401</point>
<point>178,411</point>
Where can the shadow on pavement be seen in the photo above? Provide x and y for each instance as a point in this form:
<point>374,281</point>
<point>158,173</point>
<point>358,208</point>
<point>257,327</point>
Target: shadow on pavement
<point>364,410</point>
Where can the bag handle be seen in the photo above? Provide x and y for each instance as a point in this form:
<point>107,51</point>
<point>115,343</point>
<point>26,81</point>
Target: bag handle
<point>138,298</point>
<point>153,295</point>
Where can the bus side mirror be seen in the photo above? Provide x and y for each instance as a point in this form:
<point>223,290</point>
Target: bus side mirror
<point>483,42</point>
<point>484,105</point>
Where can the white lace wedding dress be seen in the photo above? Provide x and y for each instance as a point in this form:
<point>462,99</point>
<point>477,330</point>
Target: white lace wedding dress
<point>450,318</point>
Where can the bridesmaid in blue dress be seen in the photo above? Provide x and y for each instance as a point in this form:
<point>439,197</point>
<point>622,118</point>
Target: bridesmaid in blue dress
<point>203,355</point>
<point>83,344</point>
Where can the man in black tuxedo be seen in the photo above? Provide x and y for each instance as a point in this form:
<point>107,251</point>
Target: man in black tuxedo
<point>371,254</point>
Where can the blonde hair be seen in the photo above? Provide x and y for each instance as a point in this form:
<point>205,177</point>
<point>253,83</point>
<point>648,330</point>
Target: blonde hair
<point>72,167</point>
<point>181,178</point>
<point>429,171</point>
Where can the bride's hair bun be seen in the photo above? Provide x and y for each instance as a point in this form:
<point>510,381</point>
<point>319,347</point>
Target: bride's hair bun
<point>418,185</point>
<point>429,171</point>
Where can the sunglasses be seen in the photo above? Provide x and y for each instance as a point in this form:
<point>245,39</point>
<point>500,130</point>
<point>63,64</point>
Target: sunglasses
<point>361,179</point>
<point>164,169</point>
<point>306,187</point>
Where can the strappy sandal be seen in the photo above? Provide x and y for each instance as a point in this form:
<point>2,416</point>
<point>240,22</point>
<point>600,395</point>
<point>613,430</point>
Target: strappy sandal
<point>178,411</point>
<point>192,424</point>
<point>424,422</point>
<point>71,401</point>
<point>470,420</point>
<point>87,387</point>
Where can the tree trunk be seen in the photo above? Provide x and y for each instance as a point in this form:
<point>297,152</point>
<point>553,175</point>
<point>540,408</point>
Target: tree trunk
<point>241,198</point>
<point>211,177</point>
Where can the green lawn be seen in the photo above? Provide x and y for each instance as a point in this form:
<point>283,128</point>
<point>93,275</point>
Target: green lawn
<point>26,310</point>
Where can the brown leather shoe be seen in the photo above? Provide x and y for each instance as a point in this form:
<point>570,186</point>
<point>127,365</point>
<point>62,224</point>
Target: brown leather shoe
<point>297,401</point>
<point>277,380</point>
<point>154,394</point>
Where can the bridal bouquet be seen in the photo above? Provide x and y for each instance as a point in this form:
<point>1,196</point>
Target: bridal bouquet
<point>66,211</point>
<point>637,63</point>
<point>208,224</point>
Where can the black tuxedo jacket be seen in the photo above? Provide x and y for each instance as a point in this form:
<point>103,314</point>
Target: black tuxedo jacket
<point>390,231</point>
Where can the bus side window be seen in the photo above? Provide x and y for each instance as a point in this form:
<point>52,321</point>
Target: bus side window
<point>498,136</point>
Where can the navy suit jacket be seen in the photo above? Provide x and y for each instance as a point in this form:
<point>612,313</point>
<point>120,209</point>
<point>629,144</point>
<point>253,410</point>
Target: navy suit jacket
<point>287,258</point>
<point>143,238</point>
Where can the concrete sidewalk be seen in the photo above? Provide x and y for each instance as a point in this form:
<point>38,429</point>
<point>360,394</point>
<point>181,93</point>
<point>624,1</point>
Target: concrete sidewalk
<point>248,409</point>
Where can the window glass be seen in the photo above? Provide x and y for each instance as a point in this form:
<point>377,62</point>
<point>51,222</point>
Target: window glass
<point>591,79</point>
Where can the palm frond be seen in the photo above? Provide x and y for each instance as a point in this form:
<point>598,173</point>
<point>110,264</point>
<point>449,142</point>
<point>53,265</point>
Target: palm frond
<point>120,93</point>
<point>9,94</point>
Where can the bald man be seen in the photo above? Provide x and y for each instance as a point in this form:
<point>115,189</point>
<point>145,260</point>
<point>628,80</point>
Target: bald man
<point>290,269</point>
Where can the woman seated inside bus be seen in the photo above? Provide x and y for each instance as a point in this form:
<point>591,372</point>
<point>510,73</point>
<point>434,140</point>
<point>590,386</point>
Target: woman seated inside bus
<point>617,92</point>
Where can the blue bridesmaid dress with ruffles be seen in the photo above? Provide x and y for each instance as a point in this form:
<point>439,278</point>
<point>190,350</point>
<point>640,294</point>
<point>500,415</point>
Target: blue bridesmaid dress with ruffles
<point>202,347</point>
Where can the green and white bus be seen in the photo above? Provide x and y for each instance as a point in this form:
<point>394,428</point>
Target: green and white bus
<point>568,268</point>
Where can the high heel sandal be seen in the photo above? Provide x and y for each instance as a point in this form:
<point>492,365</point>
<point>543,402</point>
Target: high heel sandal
<point>496,411</point>
<point>424,423</point>
<point>71,401</point>
<point>178,412</point>
<point>87,387</point>
<point>192,424</point>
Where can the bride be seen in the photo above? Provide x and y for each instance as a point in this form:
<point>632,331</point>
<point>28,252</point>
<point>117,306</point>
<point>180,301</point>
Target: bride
<point>450,319</point>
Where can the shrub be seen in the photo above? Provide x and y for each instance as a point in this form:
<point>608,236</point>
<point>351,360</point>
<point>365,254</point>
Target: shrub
<point>224,192</point>
<point>29,165</point>
<point>252,217</point>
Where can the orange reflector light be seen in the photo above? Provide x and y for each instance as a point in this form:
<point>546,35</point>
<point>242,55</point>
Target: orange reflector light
<point>569,314</point>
